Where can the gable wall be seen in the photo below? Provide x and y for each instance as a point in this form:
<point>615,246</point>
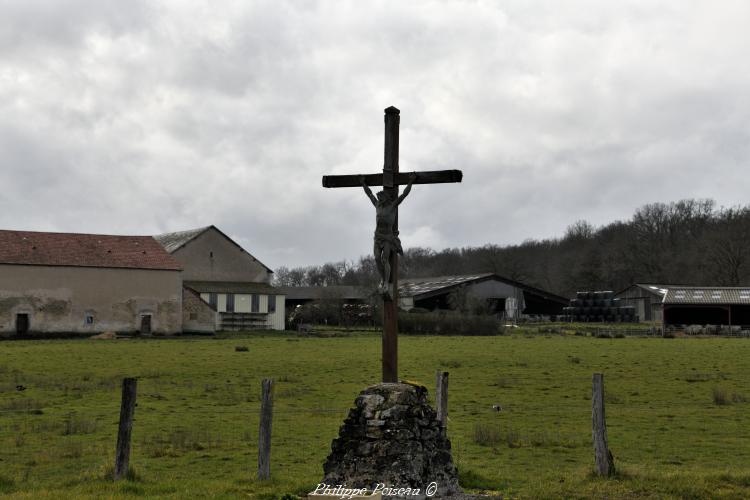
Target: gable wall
<point>493,289</point>
<point>636,292</point>
<point>228,263</point>
<point>647,304</point>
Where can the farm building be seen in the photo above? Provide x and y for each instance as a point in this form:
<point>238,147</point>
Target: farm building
<point>497,294</point>
<point>87,283</point>
<point>707,306</point>
<point>334,304</point>
<point>646,299</point>
<point>301,295</point>
<point>233,282</point>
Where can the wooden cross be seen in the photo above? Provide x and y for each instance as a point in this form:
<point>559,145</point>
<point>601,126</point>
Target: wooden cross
<point>391,179</point>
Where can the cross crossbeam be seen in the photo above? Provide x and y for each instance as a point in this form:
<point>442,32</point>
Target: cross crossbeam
<point>387,244</point>
<point>424,177</point>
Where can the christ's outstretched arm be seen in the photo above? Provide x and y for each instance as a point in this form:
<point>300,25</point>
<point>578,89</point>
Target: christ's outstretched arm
<point>412,178</point>
<point>368,192</point>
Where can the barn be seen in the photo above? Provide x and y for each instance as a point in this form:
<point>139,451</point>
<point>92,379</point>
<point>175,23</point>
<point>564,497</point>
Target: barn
<point>346,294</point>
<point>83,284</point>
<point>69,283</point>
<point>645,298</point>
<point>227,278</point>
<point>495,293</point>
<point>728,306</point>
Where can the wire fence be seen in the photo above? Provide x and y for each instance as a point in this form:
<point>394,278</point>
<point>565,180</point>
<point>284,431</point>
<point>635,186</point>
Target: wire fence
<point>171,429</point>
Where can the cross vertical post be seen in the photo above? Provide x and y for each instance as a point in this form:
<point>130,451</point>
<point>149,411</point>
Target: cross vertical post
<point>387,244</point>
<point>390,302</point>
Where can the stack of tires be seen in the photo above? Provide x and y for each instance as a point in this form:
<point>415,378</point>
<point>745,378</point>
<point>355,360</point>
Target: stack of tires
<point>600,306</point>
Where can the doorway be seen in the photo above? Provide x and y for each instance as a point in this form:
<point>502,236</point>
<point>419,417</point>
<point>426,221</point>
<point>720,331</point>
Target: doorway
<point>145,324</point>
<point>22,324</point>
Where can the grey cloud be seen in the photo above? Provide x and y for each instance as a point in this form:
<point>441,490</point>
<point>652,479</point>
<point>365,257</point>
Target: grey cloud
<point>34,27</point>
<point>148,117</point>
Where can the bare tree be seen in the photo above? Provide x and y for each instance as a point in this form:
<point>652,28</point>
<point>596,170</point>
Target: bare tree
<point>685,242</point>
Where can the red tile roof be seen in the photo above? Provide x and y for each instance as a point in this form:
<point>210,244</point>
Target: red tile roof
<point>84,250</point>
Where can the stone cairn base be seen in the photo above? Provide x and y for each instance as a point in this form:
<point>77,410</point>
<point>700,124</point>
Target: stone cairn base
<point>392,437</point>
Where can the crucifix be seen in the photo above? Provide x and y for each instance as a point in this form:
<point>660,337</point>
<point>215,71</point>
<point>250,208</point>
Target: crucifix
<point>387,245</point>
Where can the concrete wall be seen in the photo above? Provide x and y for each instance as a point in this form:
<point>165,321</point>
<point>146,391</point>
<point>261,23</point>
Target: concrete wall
<point>406,303</point>
<point>491,289</point>
<point>212,257</point>
<point>197,316</point>
<point>657,312</point>
<point>58,299</point>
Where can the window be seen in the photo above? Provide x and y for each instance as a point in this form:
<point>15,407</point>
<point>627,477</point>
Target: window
<point>89,319</point>
<point>242,303</point>
<point>212,300</point>
<point>221,302</point>
<point>255,303</point>
<point>272,303</point>
<point>230,302</point>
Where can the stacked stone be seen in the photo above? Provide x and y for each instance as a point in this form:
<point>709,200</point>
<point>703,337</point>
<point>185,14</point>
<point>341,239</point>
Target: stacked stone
<point>392,437</point>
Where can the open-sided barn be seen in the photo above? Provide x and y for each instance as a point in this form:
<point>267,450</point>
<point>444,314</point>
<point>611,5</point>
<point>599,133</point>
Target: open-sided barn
<point>498,294</point>
<point>301,295</point>
<point>707,306</point>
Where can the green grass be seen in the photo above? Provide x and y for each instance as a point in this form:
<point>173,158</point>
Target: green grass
<point>676,412</point>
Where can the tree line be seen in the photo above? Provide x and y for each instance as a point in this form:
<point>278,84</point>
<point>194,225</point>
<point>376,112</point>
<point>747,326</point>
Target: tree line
<point>688,242</point>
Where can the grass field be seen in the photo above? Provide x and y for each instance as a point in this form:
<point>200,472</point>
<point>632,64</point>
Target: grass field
<point>678,420</point>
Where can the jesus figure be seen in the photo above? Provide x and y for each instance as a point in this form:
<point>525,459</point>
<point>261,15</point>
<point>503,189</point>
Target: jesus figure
<point>386,234</point>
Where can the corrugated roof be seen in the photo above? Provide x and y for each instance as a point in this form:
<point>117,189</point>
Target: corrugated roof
<point>173,241</point>
<point>655,289</point>
<point>84,250</point>
<point>233,287</point>
<point>708,295</point>
<point>418,286</point>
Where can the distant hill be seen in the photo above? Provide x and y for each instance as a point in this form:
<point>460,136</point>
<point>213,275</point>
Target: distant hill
<point>689,242</point>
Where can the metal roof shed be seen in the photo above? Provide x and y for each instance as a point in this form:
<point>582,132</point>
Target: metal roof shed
<point>436,292</point>
<point>707,306</point>
<point>645,298</point>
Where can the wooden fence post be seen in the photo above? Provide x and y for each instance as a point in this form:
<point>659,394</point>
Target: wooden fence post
<point>127,408</point>
<point>264,435</point>
<point>441,398</point>
<point>605,464</point>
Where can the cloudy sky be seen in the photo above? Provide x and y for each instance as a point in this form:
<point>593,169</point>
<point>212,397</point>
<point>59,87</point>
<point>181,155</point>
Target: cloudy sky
<point>146,117</point>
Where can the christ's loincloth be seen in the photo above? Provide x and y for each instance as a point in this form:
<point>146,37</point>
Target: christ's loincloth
<point>391,239</point>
